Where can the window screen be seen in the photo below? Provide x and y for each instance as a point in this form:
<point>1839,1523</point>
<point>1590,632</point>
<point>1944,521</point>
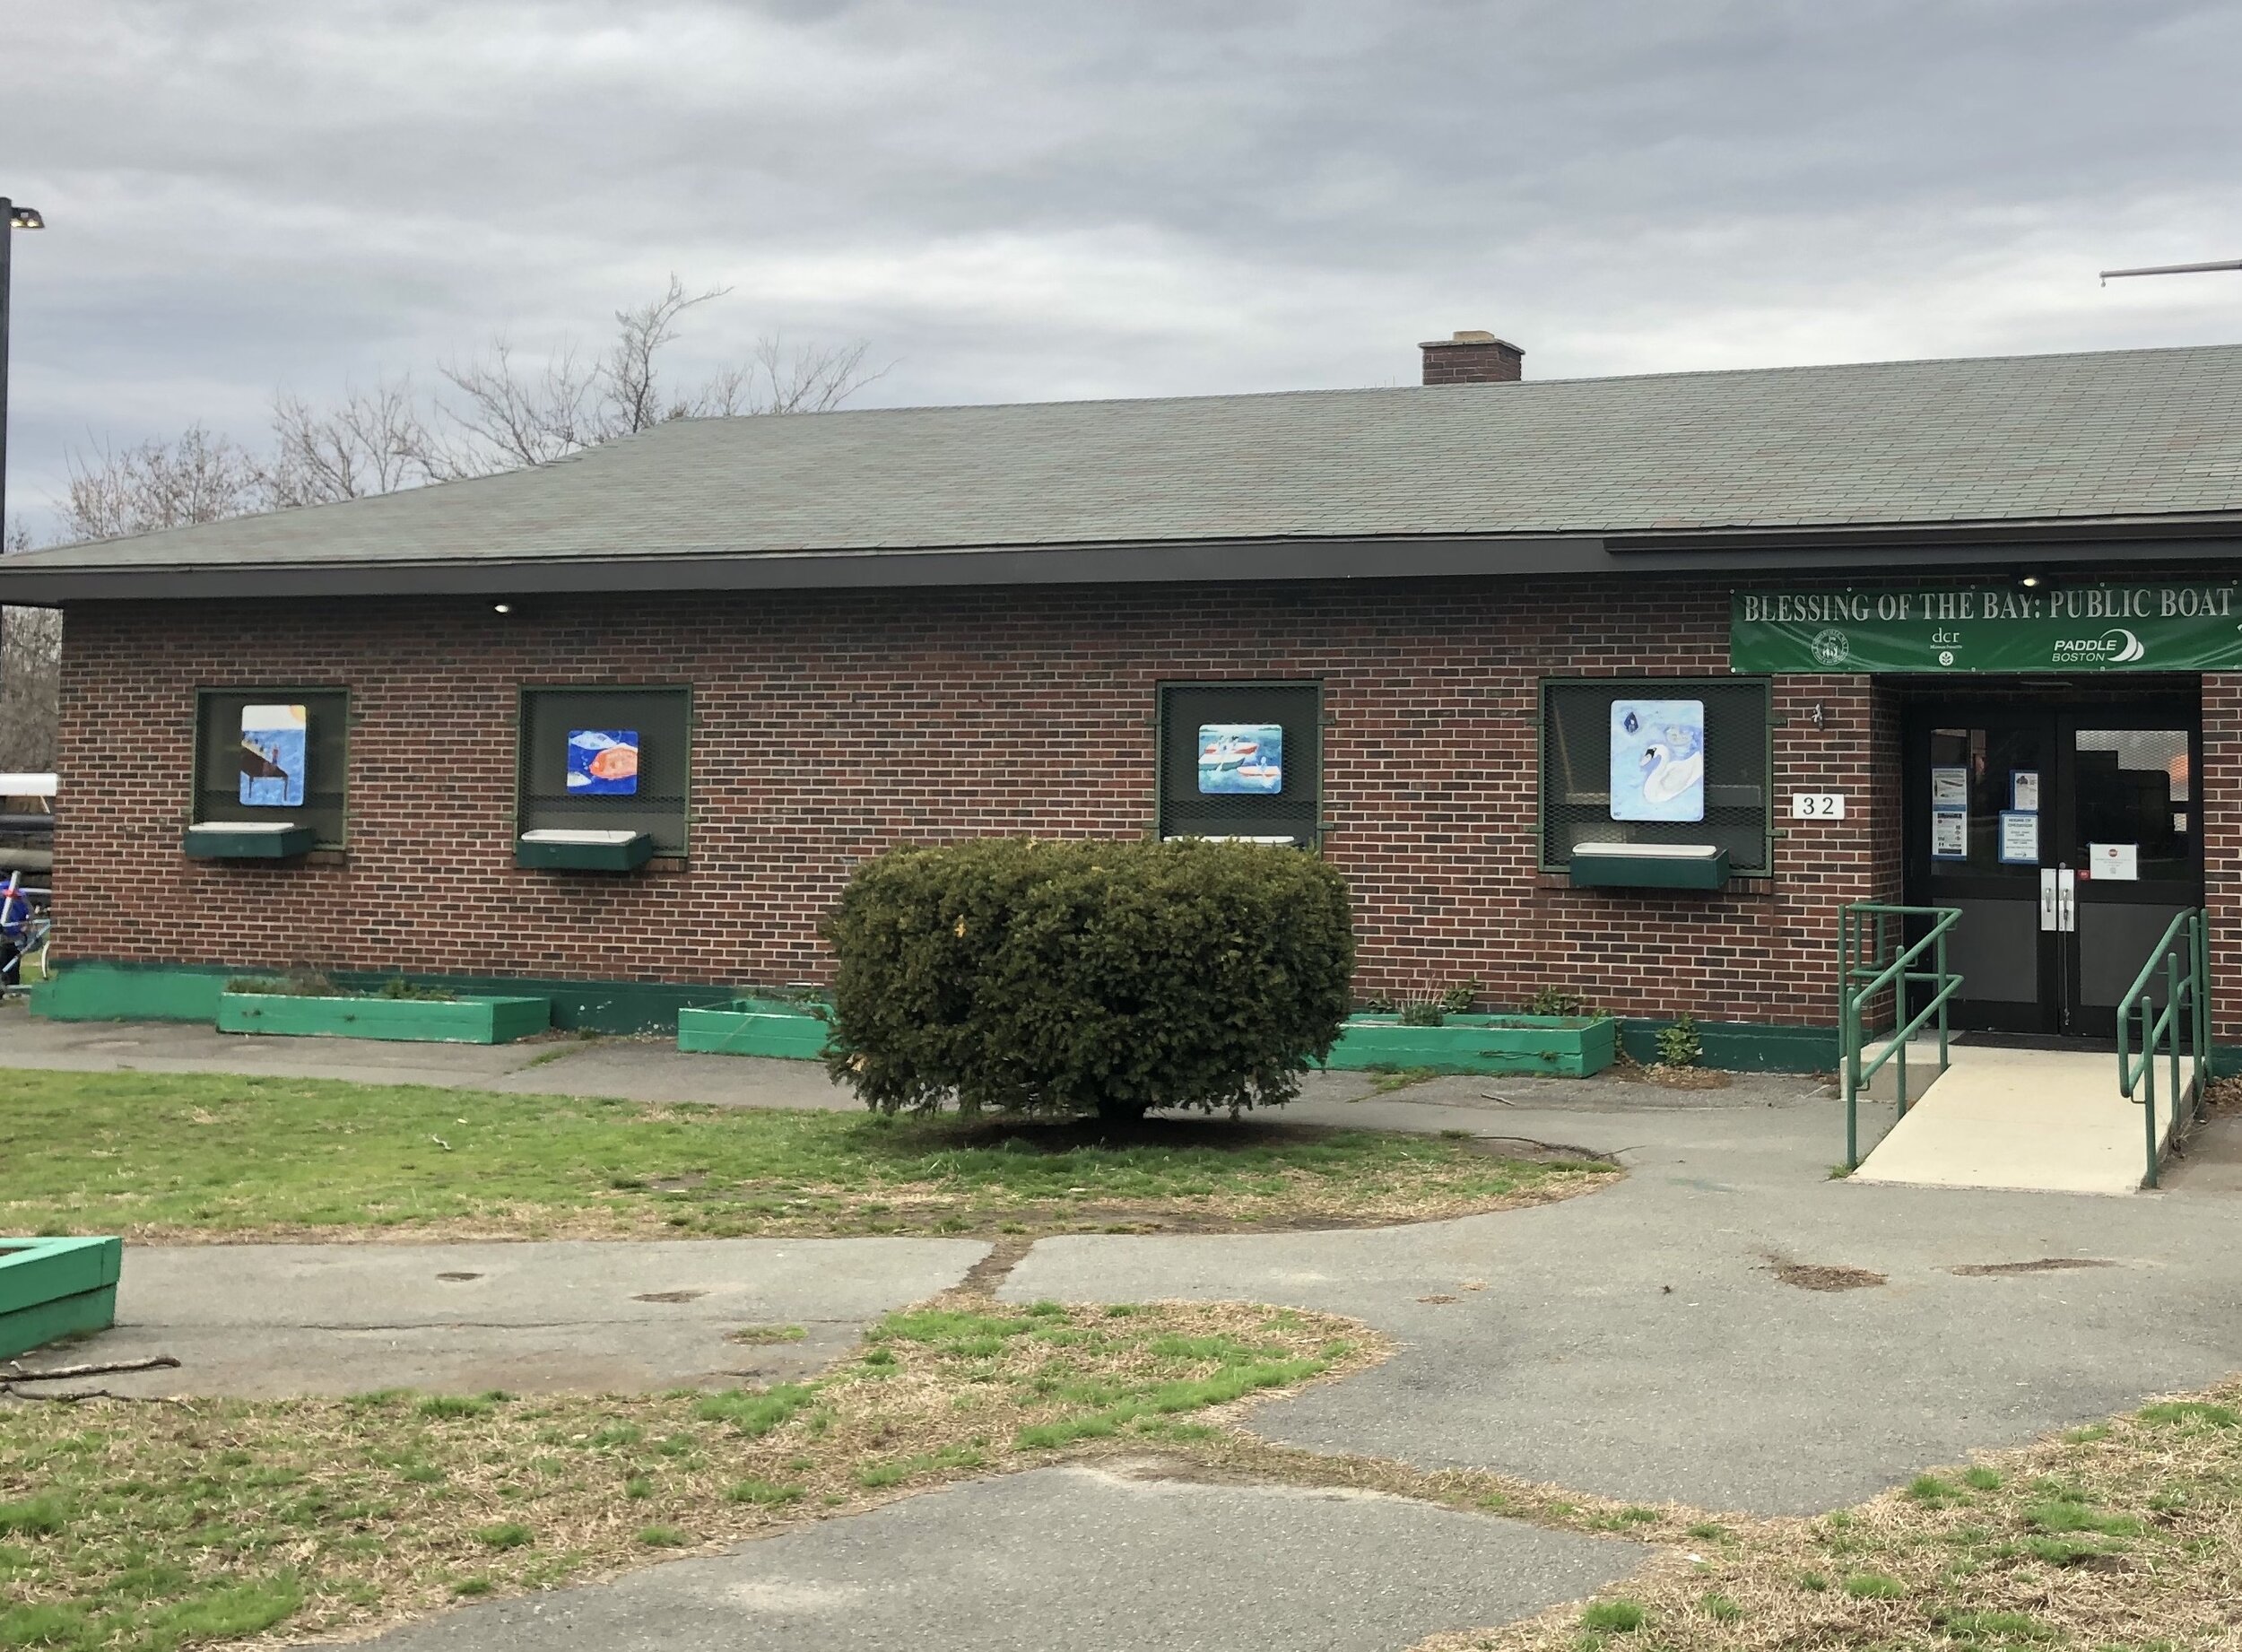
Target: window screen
<point>556,723</point>
<point>231,763</point>
<point>1578,758</point>
<point>1240,760</point>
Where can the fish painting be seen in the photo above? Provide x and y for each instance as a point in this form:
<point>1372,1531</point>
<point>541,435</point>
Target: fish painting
<point>603,762</point>
<point>1657,760</point>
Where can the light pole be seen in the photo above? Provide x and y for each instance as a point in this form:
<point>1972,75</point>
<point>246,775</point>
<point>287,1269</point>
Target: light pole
<point>12,219</point>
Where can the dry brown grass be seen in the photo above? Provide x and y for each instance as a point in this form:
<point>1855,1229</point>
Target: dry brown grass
<point>2124,1535</point>
<point>120,1523</point>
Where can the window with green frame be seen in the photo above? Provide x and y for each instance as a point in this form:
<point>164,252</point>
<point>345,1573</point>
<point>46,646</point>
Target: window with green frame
<point>1214,802</point>
<point>220,756</point>
<point>661,719</point>
<point>1576,734</point>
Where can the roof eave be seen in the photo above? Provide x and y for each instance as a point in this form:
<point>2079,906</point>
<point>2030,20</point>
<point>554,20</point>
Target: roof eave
<point>1762,550</point>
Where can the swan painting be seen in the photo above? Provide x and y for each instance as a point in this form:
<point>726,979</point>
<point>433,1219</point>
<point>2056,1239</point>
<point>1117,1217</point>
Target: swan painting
<point>1657,760</point>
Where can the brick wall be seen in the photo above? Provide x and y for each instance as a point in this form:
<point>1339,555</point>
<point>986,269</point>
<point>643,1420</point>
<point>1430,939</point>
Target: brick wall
<point>831,726</point>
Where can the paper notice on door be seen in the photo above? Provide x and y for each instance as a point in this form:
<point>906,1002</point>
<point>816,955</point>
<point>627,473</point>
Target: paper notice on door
<point>2118,863</point>
<point>2024,789</point>
<point>2020,838</point>
<point>1949,835</point>
<point>1949,789</point>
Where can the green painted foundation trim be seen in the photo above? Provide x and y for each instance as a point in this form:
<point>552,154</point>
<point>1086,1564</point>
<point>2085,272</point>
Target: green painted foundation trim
<point>55,1287</point>
<point>1565,1046</point>
<point>87,990</point>
<point>1743,1046</point>
<point>753,1027</point>
<point>408,1021</point>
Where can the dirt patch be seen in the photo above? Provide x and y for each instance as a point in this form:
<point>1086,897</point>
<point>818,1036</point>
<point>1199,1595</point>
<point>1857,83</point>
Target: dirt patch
<point>2044,1264</point>
<point>1680,1078</point>
<point>670,1296</point>
<point>455,1278</point>
<point>1823,1275</point>
<point>984,1277</point>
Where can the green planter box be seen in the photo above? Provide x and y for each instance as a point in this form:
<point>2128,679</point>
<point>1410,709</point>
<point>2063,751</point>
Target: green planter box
<point>1568,1046</point>
<point>418,1020</point>
<point>231,840</point>
<point>753,1027</point>
<point>1648,865</point>
<point>55,1287</point>
<point>583,851</point>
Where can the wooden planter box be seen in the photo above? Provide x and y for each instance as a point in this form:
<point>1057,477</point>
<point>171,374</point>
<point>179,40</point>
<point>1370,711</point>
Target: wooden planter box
<point>1648,865</point>
<point>1567,1045</point>
<point>241,840</point>
<point>55,1287</point>
<point>419,1020</point>
<point>555,851</point>
<point>753,1027</point>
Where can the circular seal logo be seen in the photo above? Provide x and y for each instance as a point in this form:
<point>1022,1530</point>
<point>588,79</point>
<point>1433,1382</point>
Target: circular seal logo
<point>1829,647</point>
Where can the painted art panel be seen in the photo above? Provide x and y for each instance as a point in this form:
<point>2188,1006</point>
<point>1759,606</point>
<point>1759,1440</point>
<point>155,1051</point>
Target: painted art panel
<point>1241,759</point>
<point>603,762</point>
<point>272,756</point>
<point>1657,760</point>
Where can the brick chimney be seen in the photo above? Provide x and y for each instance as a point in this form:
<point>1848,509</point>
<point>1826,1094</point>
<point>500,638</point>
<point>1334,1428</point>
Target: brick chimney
<point>1472,357</point>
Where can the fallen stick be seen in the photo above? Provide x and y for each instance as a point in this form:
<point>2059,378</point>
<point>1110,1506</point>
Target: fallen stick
<point>8,1391</point>
<point>16,1373</point>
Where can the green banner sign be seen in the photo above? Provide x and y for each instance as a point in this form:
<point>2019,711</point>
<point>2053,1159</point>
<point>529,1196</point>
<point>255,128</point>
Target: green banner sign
<point>1989,628</point>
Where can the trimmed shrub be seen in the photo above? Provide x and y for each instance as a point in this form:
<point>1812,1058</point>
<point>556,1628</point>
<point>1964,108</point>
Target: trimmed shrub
<point>1033,976</point>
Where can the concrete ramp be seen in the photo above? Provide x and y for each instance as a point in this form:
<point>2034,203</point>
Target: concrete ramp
<point>2046,1121</point>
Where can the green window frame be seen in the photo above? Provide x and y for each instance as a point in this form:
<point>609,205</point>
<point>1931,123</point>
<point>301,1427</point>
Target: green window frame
<point>1574,776</point>
<point>663,715</point>
<point>1181,811</point>
<point>215,794</point>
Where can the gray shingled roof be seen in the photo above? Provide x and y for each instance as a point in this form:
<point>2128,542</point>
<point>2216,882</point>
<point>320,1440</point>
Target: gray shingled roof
<point>2021,439</point>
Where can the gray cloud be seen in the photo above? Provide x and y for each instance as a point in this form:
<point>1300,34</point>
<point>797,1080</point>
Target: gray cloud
<point>1014,199</point>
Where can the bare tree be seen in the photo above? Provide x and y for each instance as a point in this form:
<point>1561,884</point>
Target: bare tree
<point>373,441</point>
<point>31,677</point>
<point>507,418</point>
<point>198,478</point>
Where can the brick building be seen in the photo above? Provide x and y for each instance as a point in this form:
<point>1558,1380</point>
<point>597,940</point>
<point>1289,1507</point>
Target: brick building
<point>1622,687</point>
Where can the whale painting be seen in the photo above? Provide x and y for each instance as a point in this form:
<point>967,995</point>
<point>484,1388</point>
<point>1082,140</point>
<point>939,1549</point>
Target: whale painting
<point>273,757</point>
<point>603,762</point>
<point>1657,760</point>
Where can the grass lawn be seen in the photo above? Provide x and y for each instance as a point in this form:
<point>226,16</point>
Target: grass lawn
<point>154,1526</point>
<point>181,1157</point>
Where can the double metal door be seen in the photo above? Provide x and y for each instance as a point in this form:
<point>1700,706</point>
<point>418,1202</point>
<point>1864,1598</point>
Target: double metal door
<point>2067,837</point>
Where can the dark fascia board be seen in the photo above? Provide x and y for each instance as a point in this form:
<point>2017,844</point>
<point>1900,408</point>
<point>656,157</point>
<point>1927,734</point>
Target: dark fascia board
<point>1788,553</point>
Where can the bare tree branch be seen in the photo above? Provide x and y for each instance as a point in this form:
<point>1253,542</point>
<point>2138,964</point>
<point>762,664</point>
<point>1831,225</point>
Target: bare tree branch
<point>373,441</point>
<point>201,477</point>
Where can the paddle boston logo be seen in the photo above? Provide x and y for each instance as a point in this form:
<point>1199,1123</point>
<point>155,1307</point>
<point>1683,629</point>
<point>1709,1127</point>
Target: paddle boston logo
<point>1992,627</point>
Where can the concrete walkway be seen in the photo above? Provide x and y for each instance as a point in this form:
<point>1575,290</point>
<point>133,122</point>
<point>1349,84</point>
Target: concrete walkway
<point>2036,1120</point>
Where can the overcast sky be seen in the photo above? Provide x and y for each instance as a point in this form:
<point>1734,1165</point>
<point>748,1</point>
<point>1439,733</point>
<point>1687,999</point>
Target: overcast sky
<point>1026,199</point>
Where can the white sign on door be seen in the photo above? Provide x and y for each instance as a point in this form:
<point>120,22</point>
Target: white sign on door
<point>1817,805</point>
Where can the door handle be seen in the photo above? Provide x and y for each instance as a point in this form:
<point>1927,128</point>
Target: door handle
<point>2050,903</point>
<point>2066,899</point>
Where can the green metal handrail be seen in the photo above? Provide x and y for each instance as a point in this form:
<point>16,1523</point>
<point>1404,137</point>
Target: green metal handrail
<point>1864,926</point>
<point>2189,935</point>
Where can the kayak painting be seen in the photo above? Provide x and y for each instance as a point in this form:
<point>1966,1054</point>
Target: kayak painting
<point>1241,757</point>
<point>603,762</point>
<point>273,757</point>
<point>1657,760</point>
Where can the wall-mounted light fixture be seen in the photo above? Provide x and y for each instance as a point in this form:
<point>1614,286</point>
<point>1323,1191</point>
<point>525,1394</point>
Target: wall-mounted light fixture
<point>2028,579</point>
<point>501,607</point>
